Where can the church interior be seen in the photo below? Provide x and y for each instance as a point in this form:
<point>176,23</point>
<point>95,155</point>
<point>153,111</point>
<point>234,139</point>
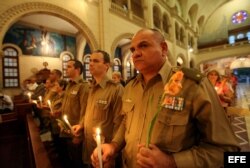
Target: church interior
<point>38,36</point>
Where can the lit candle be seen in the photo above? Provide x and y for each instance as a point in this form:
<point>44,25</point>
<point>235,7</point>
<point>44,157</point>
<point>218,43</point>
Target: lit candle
<point>34,101</point>
<point>67,121</point>
<point>41,100</point>
<point>99,149</point>
<point>29,95</point>
<point>49,103</point>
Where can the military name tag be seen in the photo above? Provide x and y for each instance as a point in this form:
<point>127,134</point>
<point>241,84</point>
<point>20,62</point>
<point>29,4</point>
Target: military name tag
<point>74,92</point>
<point>174,103</point>
<point>102,102</point>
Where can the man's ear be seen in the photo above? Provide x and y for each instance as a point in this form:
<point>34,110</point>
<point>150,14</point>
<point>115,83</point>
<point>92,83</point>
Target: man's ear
<point>107,65</point>
<point>164,47</point>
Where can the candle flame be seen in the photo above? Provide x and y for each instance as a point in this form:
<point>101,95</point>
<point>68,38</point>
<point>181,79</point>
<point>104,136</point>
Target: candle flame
<point>65,117</point>
<point>49,103</point>
<point>98,131</point>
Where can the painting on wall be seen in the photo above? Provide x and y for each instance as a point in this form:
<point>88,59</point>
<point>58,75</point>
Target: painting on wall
<point>39,42</point>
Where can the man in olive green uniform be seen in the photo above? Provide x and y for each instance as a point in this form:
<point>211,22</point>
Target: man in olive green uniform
<point>104,105</point>
<point>171,119</point>
<point>73,105</point>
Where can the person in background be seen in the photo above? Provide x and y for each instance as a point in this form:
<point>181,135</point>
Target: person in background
<point>39,91</point>
<point>55,75</point>
<point>221,86</point>
<point>234,80</point>
<point>44,109</point>
<point>104,105</point>
<point>6,103</point>
<point>117,78</point>
<point>73,106</point>
<point>173,117</point>
<point>32,84</point>
<point>56,113</point>
<point>28,86</point>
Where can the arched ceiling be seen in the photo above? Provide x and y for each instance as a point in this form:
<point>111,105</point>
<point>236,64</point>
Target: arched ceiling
<point>212,18</point>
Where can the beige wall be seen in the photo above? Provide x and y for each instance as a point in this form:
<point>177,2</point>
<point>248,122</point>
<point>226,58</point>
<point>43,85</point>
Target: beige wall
<point>97,25</point>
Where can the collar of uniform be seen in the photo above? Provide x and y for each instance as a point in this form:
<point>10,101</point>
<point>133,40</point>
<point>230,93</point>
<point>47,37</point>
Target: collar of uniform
<point>103,82</point>
<point>164,73</point>
<point>77,80</point>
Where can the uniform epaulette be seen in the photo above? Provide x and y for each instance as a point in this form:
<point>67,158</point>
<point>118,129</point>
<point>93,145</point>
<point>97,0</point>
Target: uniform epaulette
<point>130,79</point>
<point>193,74</point>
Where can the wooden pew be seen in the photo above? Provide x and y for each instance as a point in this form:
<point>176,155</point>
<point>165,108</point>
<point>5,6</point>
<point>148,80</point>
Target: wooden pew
<point>36,146</point>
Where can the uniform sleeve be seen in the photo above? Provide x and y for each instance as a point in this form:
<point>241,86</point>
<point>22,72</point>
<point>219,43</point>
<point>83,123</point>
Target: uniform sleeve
<point>83,101</point>
<point>216,134</point>
<point>117,108</point>
<point>119,137</point>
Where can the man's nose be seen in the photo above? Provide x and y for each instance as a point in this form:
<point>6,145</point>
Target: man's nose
<point>136,54</point>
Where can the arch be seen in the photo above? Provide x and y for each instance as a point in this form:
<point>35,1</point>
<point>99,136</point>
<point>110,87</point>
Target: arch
<point>178,8</point>
<point>11,15</point>
<point>127,58</point>
<point>166,23</point>
<point>118,61</point>
<point>177,31</point>
<point>157,16</point>
<point>193,13</point>
<point>117,39</point>
<point>117,65</point>
<point>201,21</point>
<point>86,73</point>
<point>66,53</point>
<point>13,46</point>
<point>182,35</point>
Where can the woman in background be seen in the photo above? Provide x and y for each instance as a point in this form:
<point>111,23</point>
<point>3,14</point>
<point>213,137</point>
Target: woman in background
<point>222,87</point>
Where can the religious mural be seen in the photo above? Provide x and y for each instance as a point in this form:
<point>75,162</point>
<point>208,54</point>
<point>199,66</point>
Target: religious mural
<point>39,42</point>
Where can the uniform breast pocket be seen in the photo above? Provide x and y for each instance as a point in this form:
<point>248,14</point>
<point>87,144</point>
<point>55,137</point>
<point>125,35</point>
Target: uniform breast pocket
<point>73,96</point>
<point>171,129</point>
<point>128,110</point>
<point>101,111</point>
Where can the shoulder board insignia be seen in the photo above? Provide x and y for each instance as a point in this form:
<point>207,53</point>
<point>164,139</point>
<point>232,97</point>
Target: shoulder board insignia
<point>130,79</point>
<point>193,74</point>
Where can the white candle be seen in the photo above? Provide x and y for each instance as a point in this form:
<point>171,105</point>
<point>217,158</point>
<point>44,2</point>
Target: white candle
<point>49,103</point>
<point>29,95</point>
<point>34,101</point>
<point>67,121</point>
<point>99,149</point>
<point>40,99</point>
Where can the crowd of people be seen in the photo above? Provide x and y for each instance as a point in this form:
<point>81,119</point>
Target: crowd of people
<point>163,117</point>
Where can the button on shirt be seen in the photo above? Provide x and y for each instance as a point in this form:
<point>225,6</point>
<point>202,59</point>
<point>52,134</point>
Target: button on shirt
<point>197,135</point>
<point>103,111</point>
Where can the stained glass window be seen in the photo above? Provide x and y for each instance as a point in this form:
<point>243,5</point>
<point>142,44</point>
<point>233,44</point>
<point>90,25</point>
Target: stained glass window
<point>239,17</point>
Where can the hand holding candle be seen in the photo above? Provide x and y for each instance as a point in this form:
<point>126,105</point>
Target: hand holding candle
<point>99,149</point>
<point>41,100</point>
<point>49,103</point>
<point>29,95</point>
<point>65,118</point>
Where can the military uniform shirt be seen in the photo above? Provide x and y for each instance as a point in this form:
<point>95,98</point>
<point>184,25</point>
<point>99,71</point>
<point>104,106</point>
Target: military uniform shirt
<point>197,136</point>
<point>75,100</point>
<point>103,111</point>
